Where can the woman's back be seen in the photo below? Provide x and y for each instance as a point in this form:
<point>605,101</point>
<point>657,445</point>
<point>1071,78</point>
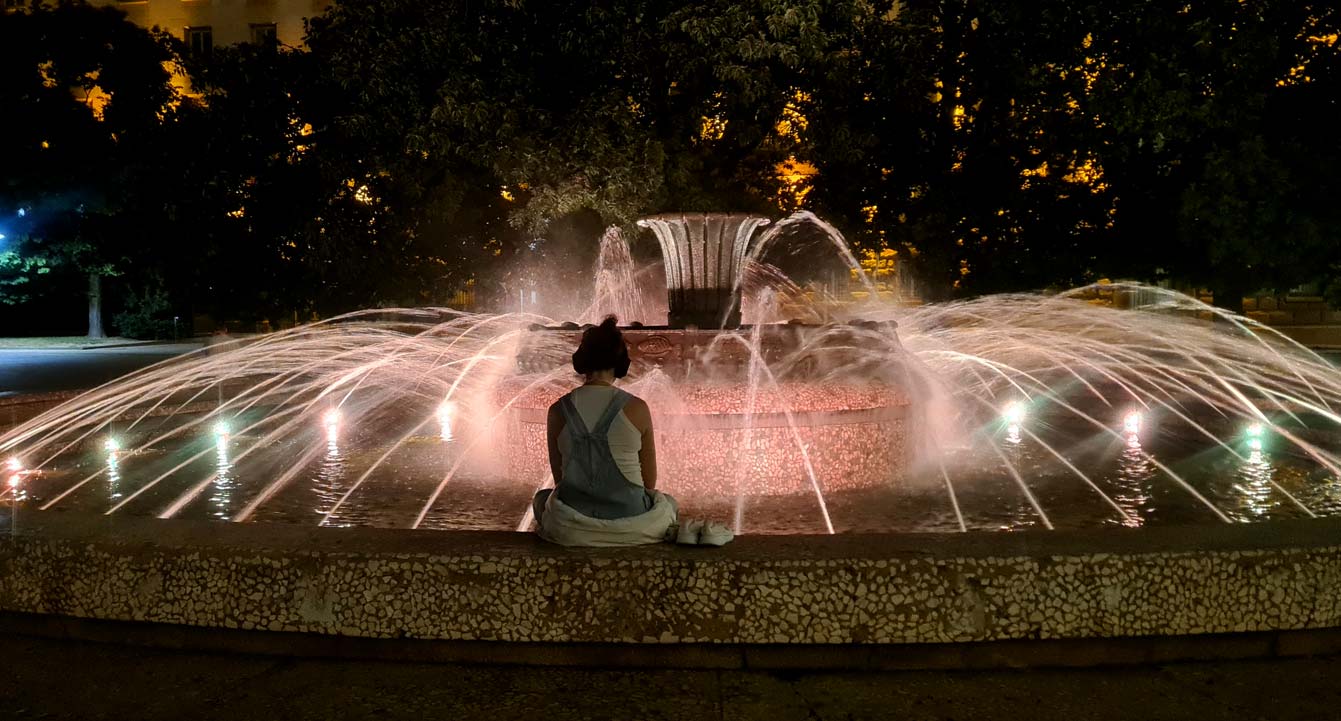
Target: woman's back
<point>589,479</point>
<point>624,438</point>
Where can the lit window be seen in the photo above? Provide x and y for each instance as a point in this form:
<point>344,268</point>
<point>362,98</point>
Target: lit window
<point>263,33</point>
<point>200,41</point>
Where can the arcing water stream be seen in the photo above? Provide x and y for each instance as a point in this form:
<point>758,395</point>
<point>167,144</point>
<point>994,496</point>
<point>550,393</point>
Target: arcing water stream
<point>995,413</point>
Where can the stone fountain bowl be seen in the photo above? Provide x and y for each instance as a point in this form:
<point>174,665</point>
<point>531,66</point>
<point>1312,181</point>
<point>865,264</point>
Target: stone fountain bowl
<point>740,413</point>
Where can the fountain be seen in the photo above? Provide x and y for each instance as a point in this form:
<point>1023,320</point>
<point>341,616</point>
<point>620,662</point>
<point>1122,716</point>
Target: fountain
<point>1003,412</point>
<point>954,420</point>
<point>769,410</point>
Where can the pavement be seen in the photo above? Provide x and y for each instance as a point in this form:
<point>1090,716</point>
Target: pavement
<point>43,371</point>
<point>51,679</point>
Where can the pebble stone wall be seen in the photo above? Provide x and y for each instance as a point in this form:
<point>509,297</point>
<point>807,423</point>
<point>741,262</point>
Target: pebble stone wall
<point>759,590</point>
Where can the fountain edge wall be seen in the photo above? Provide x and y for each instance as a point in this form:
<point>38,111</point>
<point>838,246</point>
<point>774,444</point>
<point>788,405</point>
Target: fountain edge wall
<point>793,591</point>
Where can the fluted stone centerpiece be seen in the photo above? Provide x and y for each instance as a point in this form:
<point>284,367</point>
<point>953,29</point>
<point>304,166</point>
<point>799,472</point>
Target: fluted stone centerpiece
<point>704,253</point>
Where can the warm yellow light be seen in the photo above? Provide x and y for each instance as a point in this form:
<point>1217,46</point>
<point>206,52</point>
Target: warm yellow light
<point>793,122</point>
<point>48,79</point>
<point>1088,173</point>
<point>957,117</point>
<point>796,177</point>
<point>1040,172</point>
<point>97,99</point>
<point>712,128</point>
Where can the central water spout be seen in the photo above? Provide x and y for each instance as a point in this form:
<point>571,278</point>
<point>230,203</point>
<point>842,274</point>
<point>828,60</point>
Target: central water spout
<point>704,253</point>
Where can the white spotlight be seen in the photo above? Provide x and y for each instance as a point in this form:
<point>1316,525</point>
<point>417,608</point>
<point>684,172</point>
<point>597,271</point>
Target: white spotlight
<point>331,419</point>
<point>1131,423</point>
<point>446,414</point>
<point>1014,413</point>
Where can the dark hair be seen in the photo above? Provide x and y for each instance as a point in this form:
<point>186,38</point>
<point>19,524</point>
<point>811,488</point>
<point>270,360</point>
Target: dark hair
<point>602,348</point>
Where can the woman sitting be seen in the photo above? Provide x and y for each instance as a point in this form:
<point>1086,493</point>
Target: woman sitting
<point>603,455</point>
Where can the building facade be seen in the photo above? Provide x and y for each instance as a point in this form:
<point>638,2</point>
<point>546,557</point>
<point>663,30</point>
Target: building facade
<point>205,24</point>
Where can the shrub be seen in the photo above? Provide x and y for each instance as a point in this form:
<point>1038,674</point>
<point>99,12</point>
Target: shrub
<point>146,315</point>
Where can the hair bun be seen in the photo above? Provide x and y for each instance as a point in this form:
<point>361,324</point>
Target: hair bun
<point>602,348</point>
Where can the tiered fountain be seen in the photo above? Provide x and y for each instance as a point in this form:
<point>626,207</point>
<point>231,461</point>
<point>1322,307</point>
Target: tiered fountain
<point>757,410</point>
<point>1048,412</point>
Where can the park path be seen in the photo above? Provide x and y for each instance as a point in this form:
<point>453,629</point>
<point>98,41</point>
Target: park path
<point>43,371</point>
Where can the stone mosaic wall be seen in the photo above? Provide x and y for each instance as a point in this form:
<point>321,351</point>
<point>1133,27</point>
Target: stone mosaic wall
<point>815,590</point>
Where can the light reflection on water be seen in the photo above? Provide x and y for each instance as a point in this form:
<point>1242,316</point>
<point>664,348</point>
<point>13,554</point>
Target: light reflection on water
<point>113,477</point>
<point>329,481</point>
<point>1131,482</point>
<point>1253,480</point>
<point>221,496</point>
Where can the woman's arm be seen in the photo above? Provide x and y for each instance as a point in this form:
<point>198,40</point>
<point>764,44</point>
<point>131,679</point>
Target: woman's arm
<point>553,425</point>
<point>641,417</point>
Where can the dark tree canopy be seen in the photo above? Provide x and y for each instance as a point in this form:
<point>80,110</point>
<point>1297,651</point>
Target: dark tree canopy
<point>85,95</point>
<point>420,147</point>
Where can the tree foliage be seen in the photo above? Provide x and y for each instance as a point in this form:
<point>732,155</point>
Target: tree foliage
<point>420,146</point>
<point>85,94</point>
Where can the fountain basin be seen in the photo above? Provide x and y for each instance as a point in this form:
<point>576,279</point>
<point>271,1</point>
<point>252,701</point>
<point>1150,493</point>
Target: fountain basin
<point>806,430</point>
<point>798,442</point>
<point>764,595</point>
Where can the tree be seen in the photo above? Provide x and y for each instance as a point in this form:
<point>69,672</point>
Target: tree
<point>958,141</point>
<point>242,183</point>
<point>484,123</point>
<point>1219,136</point>
<point>84,95</point>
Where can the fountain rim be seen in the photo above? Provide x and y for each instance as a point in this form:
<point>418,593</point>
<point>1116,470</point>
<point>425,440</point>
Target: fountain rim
<point>686,215</point>
<point>140,552</point>
<point>132,531</point>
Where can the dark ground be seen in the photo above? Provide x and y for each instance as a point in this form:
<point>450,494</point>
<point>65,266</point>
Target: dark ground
<point>41,371</point>
<point>46,679</point>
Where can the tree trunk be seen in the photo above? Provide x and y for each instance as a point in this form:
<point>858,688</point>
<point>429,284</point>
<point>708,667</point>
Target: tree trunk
<point>95,306</point>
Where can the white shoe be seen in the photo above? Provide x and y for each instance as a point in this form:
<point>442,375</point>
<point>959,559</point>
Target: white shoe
<point>715,534</point>
<point>689,532</point>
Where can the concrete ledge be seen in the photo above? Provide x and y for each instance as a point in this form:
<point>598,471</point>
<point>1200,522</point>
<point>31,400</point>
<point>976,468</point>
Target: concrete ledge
<point>817,595</point>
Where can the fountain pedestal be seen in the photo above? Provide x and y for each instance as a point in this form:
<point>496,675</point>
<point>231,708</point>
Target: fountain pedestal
<point>704,253</point>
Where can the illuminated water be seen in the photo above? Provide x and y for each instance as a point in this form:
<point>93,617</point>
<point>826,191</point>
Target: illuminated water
<point>1022,411</point>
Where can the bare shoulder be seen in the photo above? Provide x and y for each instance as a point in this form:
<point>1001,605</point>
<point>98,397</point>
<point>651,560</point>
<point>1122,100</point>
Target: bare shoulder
<point>638,413</point>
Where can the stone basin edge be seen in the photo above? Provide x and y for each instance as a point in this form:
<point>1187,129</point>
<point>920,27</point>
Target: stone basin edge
<point>815,592</point>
